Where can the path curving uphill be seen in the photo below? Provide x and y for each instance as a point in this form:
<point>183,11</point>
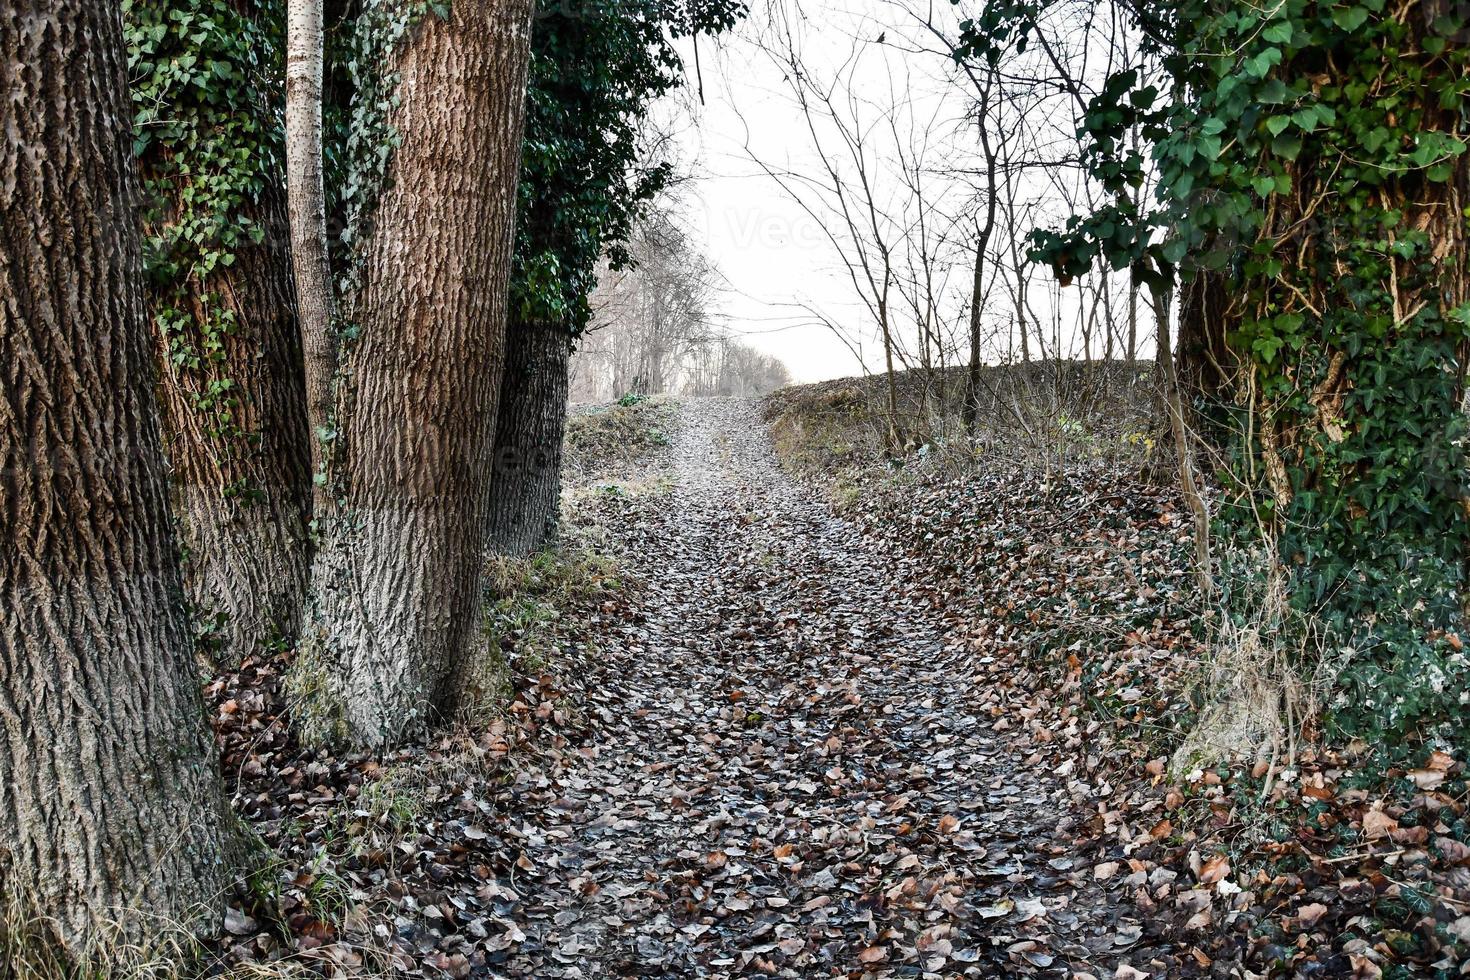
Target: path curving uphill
<point>790,777</point>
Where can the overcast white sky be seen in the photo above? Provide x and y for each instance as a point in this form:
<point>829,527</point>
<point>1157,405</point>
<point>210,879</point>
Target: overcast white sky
<point>776,258</point>
<point>784,276</point>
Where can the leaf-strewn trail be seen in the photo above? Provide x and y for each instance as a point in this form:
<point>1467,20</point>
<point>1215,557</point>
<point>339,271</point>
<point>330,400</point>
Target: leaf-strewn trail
<point>787,774</point>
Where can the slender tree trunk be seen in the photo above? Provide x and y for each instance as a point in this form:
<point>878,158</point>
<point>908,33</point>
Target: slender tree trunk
<point>525,495</point>
<point>1020,298</point>
<point>234,420</point>
<point>308,213</point>
<point>895,435</point>
<point>1132,354</point>
<point>1179,429</point>
<point>926,365</point>
<point>112,806</point>
<point>971,410</point>
<point>396,579</point>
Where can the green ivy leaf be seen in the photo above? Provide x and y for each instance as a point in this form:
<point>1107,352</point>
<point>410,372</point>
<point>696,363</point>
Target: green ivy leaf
<point>1350,18</point>
<point>1278,32</point>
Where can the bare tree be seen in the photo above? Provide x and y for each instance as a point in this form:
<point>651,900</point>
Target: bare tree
<point>652,319</point>
<point>843,197</point>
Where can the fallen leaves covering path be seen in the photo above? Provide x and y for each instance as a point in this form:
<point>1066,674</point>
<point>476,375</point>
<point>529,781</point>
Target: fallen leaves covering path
<point>1071,580</point>
<point>786,772</point>
<point>926,740</point>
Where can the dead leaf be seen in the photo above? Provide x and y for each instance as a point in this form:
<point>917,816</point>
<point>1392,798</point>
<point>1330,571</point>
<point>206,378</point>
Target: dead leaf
<point>1377,824</point>
<point>1427,778</point>
<point>1309,915</point>
<point>1214,870</point>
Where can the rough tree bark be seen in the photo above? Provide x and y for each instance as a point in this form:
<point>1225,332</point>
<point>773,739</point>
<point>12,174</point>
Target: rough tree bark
<point>242,499</point>
<point>1205,361</point>
<point>308,219</point>
<point>525,494</point>
<point>1183,448</point>
<point>112,805</point>
<point>396,580</point>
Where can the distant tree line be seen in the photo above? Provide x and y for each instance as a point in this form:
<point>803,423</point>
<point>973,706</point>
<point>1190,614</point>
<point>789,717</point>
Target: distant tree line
<point>653,329</point>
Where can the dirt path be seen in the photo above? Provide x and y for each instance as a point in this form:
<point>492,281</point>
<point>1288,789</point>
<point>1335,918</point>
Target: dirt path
<point>788,779</point>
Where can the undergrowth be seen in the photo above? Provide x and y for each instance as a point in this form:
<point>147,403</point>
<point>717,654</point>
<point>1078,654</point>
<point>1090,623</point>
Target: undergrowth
<point>615,437</point>
<point>151,947</point>
<point>526,601</point>
<point>1197,722</point>
<point>1046,414</point>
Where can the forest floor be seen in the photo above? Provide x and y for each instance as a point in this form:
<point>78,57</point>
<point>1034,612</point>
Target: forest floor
<point>791,778</point>
<point>922,733</point>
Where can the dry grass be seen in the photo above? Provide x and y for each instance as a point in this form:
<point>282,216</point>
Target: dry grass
<point>1262,683</point>
<point>523,626</point>
<point>606,441</point>
<point>138,945</point>
<point>1041,412</point>
<point>1266,673</point>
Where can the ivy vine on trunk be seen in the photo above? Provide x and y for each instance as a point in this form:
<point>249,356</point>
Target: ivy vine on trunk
<point>204,75</point>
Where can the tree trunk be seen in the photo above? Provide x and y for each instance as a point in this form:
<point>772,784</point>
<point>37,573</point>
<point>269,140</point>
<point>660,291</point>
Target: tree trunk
<point>1132,353</point>
<point>308,214</point>
<point>229,358</point>
<point>971,408</point>
<point>1203,354</point>
<point>243,499</point>
<point>525,495</point>
<point>112,806</point>
<point>1183,448</point>
<point>396,579</point>
<point>895,435</point>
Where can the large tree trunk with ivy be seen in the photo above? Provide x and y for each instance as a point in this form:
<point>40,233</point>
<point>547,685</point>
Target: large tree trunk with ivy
<point>396,582</point>
<point>526,492</point>
<point>1350,336</point>
<point>242,483</point>
<point>112,806</point>
<point>224,315</point>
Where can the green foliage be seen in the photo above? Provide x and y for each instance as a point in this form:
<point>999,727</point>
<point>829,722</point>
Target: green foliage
<point>1311,154</point>
<point>360,137</point>
<point>205,79</point>
<point>595,70</point>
